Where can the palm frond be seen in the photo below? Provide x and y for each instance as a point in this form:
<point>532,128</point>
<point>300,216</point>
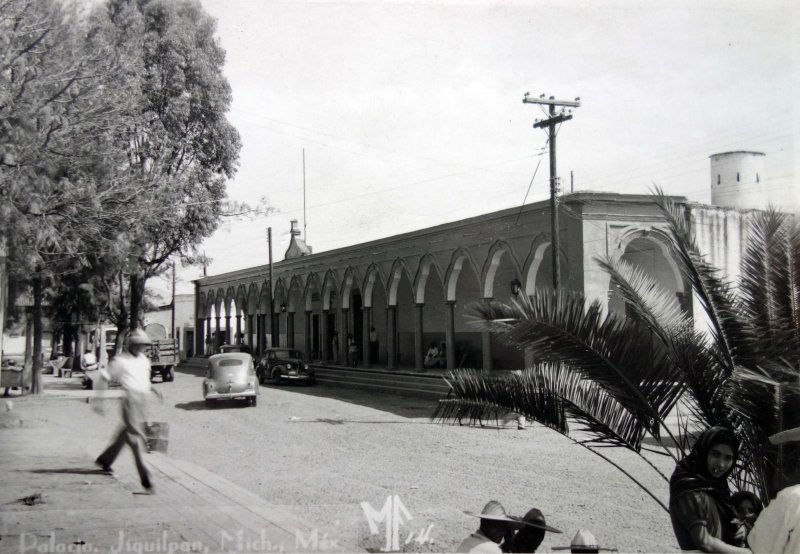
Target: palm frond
<point>618,355</point>
<point>769,287</point>
<point>729,332</point>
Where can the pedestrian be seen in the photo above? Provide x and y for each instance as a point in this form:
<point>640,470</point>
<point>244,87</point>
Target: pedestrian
<point>584,543</point>
<point>495,525</point>
<point>131,369</point>
<point>373,345</point>
<point>530,535</point>
<point>352,351</point>
<point>777,528</point>
<point>431,356</point>
<point>699,497</point>
<point>335,348</point>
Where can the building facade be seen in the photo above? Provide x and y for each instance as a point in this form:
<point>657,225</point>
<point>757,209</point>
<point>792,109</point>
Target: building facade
<point>416,288</point>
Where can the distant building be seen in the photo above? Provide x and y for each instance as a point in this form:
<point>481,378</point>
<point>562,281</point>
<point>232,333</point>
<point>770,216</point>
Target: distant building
<point>184,323</point>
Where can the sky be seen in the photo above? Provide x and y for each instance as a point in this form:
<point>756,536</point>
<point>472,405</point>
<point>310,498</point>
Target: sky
<point>410,114</point>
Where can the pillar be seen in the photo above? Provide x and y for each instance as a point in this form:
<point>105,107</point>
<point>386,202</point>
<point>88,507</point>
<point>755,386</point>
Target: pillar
<point>207,345</point>
<point>217,337</point>
<point>450,334</point>
<point>486,345</point>
<point>391,337</point>
<point>227,329</point>
<point>419,344</point>
<point>261,332</point>
<point>326,337</point>
<point>200,337</point>
<point>366,355</point>
<point>345,330</point>
<point>307,338</point>
<point>290,329</point>
<point>238,338</point>
<point>250,342</point>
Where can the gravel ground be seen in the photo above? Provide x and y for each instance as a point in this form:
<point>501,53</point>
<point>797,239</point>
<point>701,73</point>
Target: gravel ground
<point>322,452</point>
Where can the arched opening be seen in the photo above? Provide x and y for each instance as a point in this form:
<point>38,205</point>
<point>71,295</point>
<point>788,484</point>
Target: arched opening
<point>468,349</point>
<point>431,302</point>
<point>501,281</point>
<point>375,301</point>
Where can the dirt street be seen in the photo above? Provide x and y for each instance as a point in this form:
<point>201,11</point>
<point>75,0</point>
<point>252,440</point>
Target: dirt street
<point>331,456</point>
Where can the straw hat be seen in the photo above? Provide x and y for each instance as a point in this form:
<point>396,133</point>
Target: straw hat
<point>495,511</point>
<point>790,435</point>
<point>584,541</point>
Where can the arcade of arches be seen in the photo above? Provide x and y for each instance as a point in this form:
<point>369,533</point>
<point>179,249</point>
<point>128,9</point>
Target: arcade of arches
<point>414,288</point>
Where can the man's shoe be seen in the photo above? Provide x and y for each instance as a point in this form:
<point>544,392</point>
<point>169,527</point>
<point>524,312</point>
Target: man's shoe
<point>104,467</point>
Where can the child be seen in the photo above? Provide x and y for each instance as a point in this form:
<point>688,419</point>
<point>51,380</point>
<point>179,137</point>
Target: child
<point>747,507</point>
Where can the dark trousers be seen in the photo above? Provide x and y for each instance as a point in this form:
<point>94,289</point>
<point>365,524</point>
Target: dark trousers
<point>132,434</point>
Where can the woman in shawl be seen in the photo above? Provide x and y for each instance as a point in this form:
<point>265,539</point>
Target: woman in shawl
<point>699,497</point>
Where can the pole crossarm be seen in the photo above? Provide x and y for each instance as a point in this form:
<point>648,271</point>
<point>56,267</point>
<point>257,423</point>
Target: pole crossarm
<point>560,118</point>
<point>552,101</point>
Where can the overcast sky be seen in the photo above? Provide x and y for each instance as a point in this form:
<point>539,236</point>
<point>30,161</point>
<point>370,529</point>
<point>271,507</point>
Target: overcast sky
<point>411,113</point>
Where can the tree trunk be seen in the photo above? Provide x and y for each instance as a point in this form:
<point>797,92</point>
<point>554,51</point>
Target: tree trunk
<point>38,332</point>
<point>122,323</point>
<point>137,293</point>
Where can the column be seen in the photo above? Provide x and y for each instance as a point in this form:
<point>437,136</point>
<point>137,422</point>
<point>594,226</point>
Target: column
<point>238,338</point>
<point>326,337</point>
<point>450,334</point>
<point>207,345</point>
<point>308,335</point>
<point>200,336</point>
<point>261,332</point>
<point>250,342</point>
<point>366,355</point>
<point>345,330</point>
<point>486,345</point>
<point>227,329</point>
<point>419,354</point>
<point>217,337</point>
<point>290,329</point>
<point>391,337</point>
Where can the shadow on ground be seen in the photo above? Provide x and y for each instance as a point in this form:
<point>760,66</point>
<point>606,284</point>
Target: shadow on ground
<point>215,405</point>
<point>72,470</point>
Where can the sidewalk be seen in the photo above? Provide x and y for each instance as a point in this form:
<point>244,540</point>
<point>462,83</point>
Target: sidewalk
<point>77,508</point>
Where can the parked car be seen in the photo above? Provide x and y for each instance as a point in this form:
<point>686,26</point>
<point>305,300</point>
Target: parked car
<point>230,376</point>
<point>284,364</point>
<point>227,348</point>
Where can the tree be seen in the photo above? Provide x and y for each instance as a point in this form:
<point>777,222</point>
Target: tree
<point>181,148</point>
<point>618,378</point>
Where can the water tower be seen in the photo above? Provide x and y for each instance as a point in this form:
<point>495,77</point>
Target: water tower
<point>737,180</point>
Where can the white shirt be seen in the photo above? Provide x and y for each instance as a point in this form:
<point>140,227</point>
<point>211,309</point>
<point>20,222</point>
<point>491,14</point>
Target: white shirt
<point>478,542</point>
<point>89,361</point>
<point>132,372</point>
<point>777,528</point>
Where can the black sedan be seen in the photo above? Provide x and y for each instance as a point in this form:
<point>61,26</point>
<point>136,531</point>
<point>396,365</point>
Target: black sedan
<point>284,364</point>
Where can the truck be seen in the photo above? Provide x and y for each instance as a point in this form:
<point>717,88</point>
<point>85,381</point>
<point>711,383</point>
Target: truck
<point>163,353</point>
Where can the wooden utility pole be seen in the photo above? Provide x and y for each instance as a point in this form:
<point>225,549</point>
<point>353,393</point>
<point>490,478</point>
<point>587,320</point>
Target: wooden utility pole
<point>271,290</point>
<point>173,300</point>
<point>551,123</point>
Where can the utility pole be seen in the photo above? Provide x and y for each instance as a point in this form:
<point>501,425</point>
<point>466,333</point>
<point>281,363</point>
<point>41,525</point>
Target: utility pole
<point>173,300</point>
<point>551,122</point>
<point>271,289</point>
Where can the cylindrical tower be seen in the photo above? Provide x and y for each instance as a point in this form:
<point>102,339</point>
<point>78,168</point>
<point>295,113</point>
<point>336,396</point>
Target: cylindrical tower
<point>737,180</point>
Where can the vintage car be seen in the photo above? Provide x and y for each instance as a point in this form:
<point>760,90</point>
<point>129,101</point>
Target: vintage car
<point>284,364</point>
<point>230,376</point>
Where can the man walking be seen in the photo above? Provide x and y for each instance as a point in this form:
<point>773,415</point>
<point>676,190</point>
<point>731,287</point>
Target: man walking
<point>132,370</point>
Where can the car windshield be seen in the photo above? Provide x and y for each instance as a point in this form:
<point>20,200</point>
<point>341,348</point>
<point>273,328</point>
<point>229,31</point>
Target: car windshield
<point>284,353</point>
<point>226,367</point>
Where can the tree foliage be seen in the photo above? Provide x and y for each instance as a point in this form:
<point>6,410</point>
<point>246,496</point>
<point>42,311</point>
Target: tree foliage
<point>618,378</point>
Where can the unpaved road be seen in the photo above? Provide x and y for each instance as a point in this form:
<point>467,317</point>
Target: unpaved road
<point>322,452</point>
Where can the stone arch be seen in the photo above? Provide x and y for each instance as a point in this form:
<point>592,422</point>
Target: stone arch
<point>230,295</point>
<point>350,277</point>
<point>373,275</point>
<point>280,295</point>
<point>295,294</point>
<point>329,285</point>
<point>241,300</point>
<point>460,255</point>
<point>499,249</point>
<point>219,301</point>
<point>657,237</point>
<point>427,262</point>
<point>533,264</point>
<point>252,299</point>
<point>264,300</point>
<point>312,285</point>
<point>398,269</point>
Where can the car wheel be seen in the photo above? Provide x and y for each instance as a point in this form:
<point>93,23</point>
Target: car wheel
<point>168,375</point>
<point>276,376</point>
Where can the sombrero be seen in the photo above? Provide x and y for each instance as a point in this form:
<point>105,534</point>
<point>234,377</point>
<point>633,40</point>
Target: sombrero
<point>584,541</point>
<point>495,511</point>
<point>535,518</point>
<point>790,435</point>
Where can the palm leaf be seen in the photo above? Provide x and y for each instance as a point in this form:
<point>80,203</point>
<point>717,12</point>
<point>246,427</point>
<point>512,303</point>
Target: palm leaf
<point>730,334</point>
<point>618,355</point>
